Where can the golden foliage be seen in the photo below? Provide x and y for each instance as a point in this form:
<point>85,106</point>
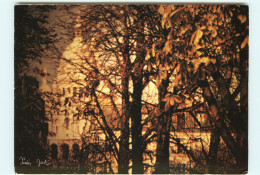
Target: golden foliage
<point>171,100</point>
<point>197,62</point>
<point>196,36</point>
<point>244,43</point>
<point>242,18</point>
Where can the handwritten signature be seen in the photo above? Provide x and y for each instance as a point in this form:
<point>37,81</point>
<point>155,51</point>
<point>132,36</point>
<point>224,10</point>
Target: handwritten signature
<point>39,162</point>
<point>24,161</point>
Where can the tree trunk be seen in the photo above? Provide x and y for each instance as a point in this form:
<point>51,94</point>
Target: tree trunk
<point>211,162</point>
<point>162,151</point>
<point>242,138</point>
<point>123,157</point>
<point>162,165</point>
<point>136,107</point>
<point>136,127</point>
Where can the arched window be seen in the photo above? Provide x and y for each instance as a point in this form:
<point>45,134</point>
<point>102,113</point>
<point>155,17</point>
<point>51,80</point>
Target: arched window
<point>65,151</point>
<point>66,121</point>
<point>54,151</point>
<point>75,150</point>
<point>81,91</point>
<point>74,90</point>
<point>57,130</point>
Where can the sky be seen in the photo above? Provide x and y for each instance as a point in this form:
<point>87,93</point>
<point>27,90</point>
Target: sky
<point>50,60</point>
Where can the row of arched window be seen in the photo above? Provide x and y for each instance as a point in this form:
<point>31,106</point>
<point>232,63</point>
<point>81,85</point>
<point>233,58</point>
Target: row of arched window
<point>75,90</point>
<point>64,148</point>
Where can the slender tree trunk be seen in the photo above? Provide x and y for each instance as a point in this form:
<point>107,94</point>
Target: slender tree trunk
<point>136,127</point>
<point>162,165</point>
<point>162,152</point>
<point>136,107</point>
<point>211,162</point>
<point>242,138</point>
<point>123,157</point>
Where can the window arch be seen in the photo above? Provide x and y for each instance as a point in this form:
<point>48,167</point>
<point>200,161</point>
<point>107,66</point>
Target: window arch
<point>75,150</point>
<point>54,151</point>
<point>66,122</point>
<point>74,90</point>
<point>65,151</point>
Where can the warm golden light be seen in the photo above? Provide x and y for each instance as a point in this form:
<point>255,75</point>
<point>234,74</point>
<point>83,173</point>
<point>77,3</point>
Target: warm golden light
<point>136,89</point>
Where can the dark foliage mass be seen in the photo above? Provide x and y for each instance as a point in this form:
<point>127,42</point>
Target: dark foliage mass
<point>31,38</point>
